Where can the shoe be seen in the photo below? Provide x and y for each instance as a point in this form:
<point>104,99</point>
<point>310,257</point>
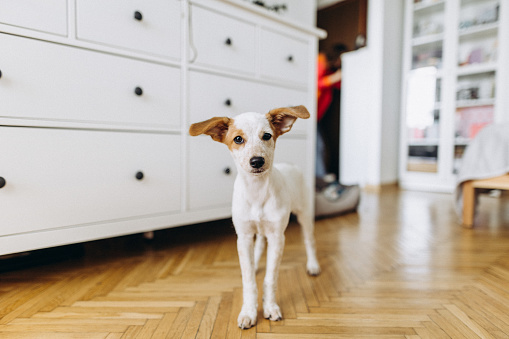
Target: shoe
<point>336,199</point>
<point>322,182</point>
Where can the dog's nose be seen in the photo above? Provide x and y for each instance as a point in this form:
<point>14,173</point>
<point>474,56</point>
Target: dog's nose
<point>257,162</point>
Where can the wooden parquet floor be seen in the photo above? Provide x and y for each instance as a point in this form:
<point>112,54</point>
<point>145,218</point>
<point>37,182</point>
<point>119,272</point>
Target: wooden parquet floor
<point>400,268</point>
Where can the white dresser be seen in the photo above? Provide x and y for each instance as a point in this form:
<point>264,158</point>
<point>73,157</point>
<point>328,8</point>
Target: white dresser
<point>97,97</point>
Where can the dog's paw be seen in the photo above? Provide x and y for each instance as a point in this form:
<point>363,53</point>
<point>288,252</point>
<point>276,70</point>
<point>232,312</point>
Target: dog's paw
<point>272,312</point>
<point>313,269</point>
<point>247,319</point>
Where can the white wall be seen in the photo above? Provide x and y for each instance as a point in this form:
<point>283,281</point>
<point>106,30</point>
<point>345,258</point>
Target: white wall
<point>371,98</point>
<point>391,78</point>
<point>356,111</point>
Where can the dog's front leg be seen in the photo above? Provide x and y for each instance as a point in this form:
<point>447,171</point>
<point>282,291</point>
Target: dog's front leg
<point>276,244</point>
<point>258,251</point>
<point>245,248</point>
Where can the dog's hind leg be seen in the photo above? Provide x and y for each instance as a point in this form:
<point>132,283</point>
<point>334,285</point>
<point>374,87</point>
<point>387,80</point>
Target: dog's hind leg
<point>259,248</point>
<point>308,226</point>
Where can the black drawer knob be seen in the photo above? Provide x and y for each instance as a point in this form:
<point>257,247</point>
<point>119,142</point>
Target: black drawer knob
<point>138,16</point>
<point>227,171</point>
<point>228,102</point>
<point>290,58</point>
<point>139,175</point>
<point>2,182</point>
<point>228,42</point>
<point>0,74</point>
<point>138,91</point>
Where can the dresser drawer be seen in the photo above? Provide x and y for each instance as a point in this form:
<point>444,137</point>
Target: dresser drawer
<point>293,151</point>
<point>214,95</point>
<point>70,84</point>
<point>148,26</point>
<point>211,174</point>
<point>48,16</point>
<point>60,178</point>
<point>222,41</point>
<point>284,58</point>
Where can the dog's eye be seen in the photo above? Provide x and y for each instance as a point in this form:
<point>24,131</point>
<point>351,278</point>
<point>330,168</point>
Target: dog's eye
<point>238,140</point>
<point>267,136</point>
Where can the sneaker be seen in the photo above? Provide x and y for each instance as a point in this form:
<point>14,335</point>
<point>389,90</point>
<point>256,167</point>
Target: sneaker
<point>337,199</point>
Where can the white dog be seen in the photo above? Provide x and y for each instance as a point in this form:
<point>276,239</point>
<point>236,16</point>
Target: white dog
<point>264,195</point>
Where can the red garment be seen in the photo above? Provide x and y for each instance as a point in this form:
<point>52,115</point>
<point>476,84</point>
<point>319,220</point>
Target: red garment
<point>325,87</point>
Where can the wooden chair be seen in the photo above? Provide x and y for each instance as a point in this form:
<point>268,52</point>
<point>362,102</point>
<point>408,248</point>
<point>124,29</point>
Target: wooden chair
<point>500,183</point>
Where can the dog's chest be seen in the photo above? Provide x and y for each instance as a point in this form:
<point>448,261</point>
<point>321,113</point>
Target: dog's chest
<point>261,206</point>
<point>261,217</point>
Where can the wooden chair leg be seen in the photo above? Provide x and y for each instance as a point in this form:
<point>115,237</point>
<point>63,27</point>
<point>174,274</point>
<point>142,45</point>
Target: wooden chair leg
<point>468,204</point>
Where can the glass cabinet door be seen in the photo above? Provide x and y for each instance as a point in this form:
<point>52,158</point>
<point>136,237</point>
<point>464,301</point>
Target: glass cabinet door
<point>424,87</point>
<point>423,119</point>
<point>476,72</point>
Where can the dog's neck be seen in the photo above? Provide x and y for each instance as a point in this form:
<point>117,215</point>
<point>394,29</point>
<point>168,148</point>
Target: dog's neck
<point>256,186</point>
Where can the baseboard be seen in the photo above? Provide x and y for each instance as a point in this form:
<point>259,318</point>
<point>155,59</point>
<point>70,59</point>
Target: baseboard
<point>381,187</point>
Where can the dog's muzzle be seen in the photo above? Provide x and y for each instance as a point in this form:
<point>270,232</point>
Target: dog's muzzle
<point>257,162</point>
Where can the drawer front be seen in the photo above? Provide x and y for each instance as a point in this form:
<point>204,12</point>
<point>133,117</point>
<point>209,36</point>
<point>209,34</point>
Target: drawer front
<point>70,84</point>
<point>211,174</point>
<point>213,95</point>
<point>60,178</point>
<point>222,41</point>
<point>293,151</point>
<point>148,26</point>
<point>48,16</point>
<point>284,58</point>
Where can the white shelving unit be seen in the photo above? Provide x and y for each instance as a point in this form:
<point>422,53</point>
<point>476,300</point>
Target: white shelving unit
<point>454,83</point>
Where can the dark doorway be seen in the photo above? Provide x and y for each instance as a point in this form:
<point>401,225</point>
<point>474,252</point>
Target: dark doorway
<point>344,22</point>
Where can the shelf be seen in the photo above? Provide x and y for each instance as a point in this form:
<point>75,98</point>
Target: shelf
<point>479,68</point>
<point>478,29</point>
<point>475,103</point>
<point>423,142</point>
<point>418,164</point>
<point>427,39</point>
<point>427,5</point>
<point>461,141</point>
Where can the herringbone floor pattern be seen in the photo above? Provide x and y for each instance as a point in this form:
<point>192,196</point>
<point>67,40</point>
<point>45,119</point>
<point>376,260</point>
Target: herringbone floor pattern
<point>400,268</point>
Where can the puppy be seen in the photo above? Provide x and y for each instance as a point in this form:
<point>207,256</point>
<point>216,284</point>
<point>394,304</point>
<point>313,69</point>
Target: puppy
<point>264,195</point>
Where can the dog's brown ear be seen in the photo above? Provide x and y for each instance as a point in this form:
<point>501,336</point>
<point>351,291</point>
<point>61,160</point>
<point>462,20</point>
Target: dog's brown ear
<point>216,127</point>
<point>282,119</point>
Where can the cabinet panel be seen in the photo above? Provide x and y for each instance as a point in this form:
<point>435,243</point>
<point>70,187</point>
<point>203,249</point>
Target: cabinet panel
<point>61,178</point>
<point>211,174</point>
<point>293,151</point>
<point>94,88</point>
<point>284,58</point>
<point>222,41</point>
<point>213,95</point>
<point>48,16</point>
<point>150,26</point>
